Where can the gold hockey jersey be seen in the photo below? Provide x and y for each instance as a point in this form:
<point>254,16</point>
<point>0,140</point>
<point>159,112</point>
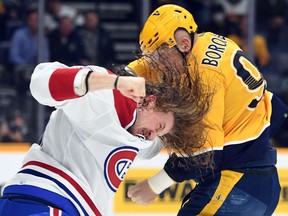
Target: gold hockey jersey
<point>241,112</point>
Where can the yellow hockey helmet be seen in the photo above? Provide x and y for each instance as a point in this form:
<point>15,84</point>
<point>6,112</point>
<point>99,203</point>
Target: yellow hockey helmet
<point>162,24</point>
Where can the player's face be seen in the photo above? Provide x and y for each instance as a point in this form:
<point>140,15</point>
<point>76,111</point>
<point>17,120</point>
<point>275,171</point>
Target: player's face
<point>151,123</point>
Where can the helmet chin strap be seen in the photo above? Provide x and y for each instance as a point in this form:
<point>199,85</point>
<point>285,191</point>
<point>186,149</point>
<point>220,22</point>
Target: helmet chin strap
<point>192,36</point>
<point>183,54</point>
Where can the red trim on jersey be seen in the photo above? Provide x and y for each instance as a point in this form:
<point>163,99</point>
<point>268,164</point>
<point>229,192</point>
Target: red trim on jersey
<point>56,212</point>
<point>61,83</point>
<point>70,180</point>
<point>124,106</point>
<point>114,159</point>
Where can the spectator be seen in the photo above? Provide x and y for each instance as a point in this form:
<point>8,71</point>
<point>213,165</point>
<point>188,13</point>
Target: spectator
<point>3,127</point>
<point>200,9</point>
<point>65,44</point>
<point>261,52</point>
<point>271,15</point>
<point>234,7</point>
<point>157,3</point>
<point>13,129</point>
<point>55,10</point>
<point>10,19</point>
<point>98,46</point>
<point>218,23</point>
<point>237,30</point>
<point>234,10</point>
<point>24,44</point>
<point>23,52</point>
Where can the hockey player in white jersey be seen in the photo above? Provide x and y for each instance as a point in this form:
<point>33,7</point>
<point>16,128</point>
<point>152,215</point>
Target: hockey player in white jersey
<point>101,123</point>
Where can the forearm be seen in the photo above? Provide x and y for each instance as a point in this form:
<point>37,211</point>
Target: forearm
<point>98,81</point>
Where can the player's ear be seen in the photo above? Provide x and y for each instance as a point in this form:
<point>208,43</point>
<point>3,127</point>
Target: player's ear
<point>184,45</point>
<point>151,99</point>
<point>183,40</point>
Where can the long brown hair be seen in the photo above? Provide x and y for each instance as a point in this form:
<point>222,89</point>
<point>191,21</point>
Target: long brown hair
<point>179,89</point>
<point>182,92</point>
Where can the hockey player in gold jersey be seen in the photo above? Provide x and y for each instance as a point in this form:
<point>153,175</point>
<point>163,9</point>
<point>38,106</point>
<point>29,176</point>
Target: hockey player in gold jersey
<point>242,177</point>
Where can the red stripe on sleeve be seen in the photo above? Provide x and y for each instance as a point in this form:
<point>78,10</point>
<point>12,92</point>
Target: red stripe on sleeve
<point>61,83</point>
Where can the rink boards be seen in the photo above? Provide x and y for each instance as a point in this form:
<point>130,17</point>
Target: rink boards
<point>166,204</point>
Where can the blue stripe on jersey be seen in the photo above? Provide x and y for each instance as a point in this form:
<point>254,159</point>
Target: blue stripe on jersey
<point>61,185</point>
<point>254,153</point>
<point>63,203</point>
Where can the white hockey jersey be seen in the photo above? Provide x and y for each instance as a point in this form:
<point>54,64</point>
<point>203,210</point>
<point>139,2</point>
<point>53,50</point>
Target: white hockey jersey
<point>86,149</point>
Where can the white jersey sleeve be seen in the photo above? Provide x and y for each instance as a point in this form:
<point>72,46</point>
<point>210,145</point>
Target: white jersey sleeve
<point>52,84</point>
<point>39,85</point>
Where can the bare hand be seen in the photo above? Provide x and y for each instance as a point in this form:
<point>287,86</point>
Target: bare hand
<point>132,87</point>
<point>141,193</point>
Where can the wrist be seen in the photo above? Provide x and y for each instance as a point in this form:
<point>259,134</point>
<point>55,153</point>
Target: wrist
<point>116,82</point>
<point>160,182</point>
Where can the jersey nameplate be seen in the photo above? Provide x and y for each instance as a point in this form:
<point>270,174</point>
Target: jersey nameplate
<point>215,50</point>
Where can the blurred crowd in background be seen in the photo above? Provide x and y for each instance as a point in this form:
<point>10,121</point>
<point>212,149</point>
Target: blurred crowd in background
<point>105,33</point>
